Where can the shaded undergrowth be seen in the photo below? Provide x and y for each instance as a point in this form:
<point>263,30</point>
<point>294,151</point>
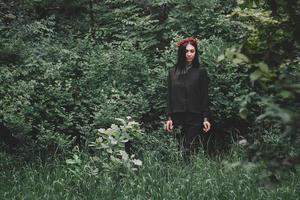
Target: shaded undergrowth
<point>163,175</point>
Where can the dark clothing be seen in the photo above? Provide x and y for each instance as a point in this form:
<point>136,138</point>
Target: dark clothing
<point>188,92</point>
<point>187,118</point>
<point>190,136</point>
<point>191,139</point>
<point>187,106</point>
<point>188,140</point>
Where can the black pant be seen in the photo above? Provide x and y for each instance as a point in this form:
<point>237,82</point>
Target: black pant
<point>190,136</point>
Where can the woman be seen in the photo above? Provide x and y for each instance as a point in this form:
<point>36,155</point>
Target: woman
<point>187,97</point>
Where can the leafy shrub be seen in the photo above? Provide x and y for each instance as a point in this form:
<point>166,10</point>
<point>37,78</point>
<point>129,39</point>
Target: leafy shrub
<point>109,146</point>
<point>227,83</point>
<point>75,76</point>
<point>62,91</point>
<point>272,106</point>
<point>204,19</point>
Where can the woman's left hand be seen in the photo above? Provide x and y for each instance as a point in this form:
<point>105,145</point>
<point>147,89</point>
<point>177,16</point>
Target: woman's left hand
<point>206,126</point>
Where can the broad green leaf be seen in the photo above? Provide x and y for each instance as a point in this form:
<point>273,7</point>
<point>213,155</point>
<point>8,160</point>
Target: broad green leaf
<point>243,113</point>
<point>137,162</point>
<point>285,94</point>
<point>220,58</point>
<point>255,75</point>
<point>263,67</point>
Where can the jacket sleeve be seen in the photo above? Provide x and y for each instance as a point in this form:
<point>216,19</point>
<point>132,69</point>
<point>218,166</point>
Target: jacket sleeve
<point>204,88</point>
<point>169,95</point>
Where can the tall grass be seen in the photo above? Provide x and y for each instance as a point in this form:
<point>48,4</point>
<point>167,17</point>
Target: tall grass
<point>162,176</point>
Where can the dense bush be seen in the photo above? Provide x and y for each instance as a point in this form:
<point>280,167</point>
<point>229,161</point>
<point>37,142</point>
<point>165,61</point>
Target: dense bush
<point>204,19</point>
<point>271,53</point>
<point>69,68</point>
<point>61,88</point>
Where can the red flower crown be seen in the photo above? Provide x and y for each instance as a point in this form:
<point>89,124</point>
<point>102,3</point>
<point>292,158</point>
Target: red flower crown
<point>191,40</point>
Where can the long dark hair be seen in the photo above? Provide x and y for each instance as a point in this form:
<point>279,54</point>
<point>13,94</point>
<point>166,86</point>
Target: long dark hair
<point>180,66</point>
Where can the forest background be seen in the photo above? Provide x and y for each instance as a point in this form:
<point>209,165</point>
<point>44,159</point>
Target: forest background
<point>83,97</point>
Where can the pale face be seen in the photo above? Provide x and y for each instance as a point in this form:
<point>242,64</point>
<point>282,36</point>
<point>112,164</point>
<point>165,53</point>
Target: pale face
<point>190,53</point>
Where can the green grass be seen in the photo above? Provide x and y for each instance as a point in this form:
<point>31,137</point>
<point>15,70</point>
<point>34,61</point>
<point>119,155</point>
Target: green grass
<point>159,178</point>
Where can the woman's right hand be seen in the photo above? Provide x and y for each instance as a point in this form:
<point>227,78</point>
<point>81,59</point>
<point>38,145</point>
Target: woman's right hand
<point>169,125</point>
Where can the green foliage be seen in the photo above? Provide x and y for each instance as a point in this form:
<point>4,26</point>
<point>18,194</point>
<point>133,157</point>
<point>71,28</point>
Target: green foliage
<point>228,82</point>
<point>69,67</point>
<point>118,76</point>
<point>66,90</point>
<point>172,179</point>
<point>123,20</point>
<point>109,146</point>
<point>272,106</point>
<point>109,151</point>
<point>204,19</point>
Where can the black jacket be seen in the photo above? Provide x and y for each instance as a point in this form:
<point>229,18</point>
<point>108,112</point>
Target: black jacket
<point>188,92</point>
